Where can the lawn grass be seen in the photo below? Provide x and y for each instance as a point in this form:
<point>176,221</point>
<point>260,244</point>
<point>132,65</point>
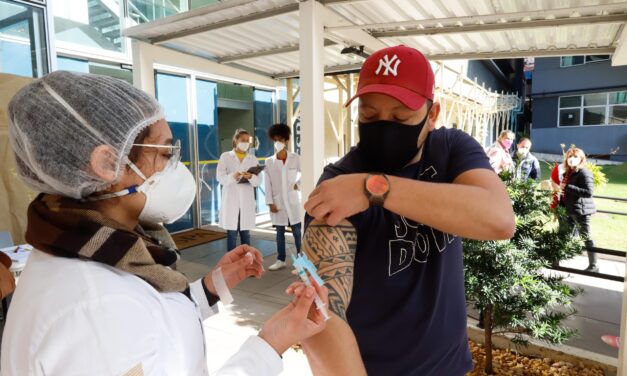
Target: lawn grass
<point>608,230</point>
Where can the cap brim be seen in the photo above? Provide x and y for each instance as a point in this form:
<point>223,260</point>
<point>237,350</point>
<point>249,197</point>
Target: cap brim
<point>410,99</point>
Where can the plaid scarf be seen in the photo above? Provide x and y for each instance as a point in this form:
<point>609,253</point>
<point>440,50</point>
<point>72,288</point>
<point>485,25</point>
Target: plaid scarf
<point>69,228</point>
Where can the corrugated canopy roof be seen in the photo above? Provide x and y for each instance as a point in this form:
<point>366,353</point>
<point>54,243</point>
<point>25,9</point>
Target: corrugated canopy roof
<point>263,35</point>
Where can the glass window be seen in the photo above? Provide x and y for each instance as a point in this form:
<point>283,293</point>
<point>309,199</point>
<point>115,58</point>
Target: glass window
<point>202,3</point>
<point>596,99</point>
<point>94,24</point>
<point>73,65</point>
<point>594,115</point>
<point>86,66</point>
<point>574,101</point>
<point>618,97</point>
<point>617,115</point>
<point>569,117</point>
<point>23,48</point>
<point>140,11</point>
<point>594,58</point>
<point>569,61</point>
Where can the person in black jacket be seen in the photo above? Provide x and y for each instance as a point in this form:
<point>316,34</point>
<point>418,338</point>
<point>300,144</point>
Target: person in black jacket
<point>577,187</point>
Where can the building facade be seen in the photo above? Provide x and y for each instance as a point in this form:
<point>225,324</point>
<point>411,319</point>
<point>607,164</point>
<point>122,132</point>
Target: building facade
<point>580,100</point>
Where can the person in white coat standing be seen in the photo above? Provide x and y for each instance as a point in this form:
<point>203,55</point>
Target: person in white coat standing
<point>282,191</point>
<point>237,211</point>
<point>99,295</point>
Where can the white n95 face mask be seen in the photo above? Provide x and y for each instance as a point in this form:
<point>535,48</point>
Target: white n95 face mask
<point>574,161</point>
<point>169,194</point>
<point>243,146</point>
<point>278,146</point>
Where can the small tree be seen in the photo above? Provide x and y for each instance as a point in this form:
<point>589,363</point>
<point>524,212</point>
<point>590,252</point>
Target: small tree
<point>507,280</point>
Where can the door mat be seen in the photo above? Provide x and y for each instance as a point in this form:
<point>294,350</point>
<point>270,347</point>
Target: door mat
<point>195,237</point>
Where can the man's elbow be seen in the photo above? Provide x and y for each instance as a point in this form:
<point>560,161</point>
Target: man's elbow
<point>504,227</point>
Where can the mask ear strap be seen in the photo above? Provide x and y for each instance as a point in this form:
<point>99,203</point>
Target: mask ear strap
<point>130,190</point>
<point>135,169</point>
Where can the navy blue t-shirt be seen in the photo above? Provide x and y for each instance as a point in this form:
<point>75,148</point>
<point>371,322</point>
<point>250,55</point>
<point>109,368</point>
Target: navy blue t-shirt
<point>408,308</point>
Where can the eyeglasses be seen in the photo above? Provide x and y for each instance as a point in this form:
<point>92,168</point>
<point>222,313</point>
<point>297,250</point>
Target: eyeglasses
<point>175,150</point>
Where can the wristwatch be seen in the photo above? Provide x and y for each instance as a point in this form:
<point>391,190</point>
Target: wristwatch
<point>377,187</point>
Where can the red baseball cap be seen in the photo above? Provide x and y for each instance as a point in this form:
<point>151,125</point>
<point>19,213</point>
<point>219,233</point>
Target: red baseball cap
<point>401,72</point>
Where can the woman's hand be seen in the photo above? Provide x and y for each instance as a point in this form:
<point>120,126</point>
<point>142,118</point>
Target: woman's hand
<point>237,265</point>
<point>237,175</point>
<point>273,208</point>
<point>247,175</point>
<point>298,321</point>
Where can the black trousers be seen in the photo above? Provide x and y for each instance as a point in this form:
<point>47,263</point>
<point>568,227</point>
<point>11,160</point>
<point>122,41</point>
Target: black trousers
<point>582,228</point>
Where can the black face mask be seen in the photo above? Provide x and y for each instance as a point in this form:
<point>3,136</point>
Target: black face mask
<point>387,146</point>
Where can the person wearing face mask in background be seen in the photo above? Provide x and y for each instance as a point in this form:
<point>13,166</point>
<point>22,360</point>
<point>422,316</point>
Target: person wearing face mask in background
<point>380,227</point>
<point>237,210</point>
<point>98,295</point>
<point>499,153</point>
<point>527,165</point>
<point>282,191</point>
<point>576,195</point>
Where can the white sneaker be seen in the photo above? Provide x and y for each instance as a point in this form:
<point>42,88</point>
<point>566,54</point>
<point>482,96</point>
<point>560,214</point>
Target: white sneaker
<point>277,265</point>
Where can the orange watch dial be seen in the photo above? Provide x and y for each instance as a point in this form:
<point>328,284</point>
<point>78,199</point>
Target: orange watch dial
<point>377,185</point>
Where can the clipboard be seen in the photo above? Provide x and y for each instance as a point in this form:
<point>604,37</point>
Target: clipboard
<point>255,170</point>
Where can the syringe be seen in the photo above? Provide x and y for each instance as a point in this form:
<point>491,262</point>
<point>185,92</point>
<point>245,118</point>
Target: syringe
<point>302,263</point>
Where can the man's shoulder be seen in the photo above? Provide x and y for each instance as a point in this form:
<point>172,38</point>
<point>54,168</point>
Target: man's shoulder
<point>351,163</point>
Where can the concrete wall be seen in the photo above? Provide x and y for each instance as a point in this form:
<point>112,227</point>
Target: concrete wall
<point>548,77</point>
<point>480,70</point>
<point>592,139</point>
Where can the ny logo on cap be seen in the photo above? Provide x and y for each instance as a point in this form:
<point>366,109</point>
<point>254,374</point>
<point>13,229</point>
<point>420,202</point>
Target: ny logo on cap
<point>386,63</point>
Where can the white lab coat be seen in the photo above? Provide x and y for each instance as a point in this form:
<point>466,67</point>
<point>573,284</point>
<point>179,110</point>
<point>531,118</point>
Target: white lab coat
<point>280,181</point>
<point>237,198</point>
<point>74,317</point>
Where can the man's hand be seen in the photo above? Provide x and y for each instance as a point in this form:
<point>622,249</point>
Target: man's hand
<point>337,199</point>
<point>273,208</point>
<point>237,175</point>
<point>247,175</point>
<point>296,322</point>
<point>237,265</point>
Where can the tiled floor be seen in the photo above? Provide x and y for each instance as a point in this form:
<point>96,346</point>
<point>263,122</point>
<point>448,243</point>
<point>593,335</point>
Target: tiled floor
<point>255,301</point>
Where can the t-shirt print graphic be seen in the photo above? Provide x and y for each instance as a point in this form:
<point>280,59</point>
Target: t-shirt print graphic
<point>412,241</point>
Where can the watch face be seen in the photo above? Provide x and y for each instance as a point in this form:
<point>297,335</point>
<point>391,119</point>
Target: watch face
<point>377,185</point>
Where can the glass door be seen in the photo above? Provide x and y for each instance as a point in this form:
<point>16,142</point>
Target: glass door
<point>209,192</point>
<point>264,118</point>
<point>172,91</point>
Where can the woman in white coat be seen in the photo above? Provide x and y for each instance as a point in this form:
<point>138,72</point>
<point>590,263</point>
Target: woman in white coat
<point>282,191</point>
<point>98,295</point>
<point>237,210</point>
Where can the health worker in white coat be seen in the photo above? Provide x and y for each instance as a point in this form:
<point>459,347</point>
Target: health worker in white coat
<point>99,295</point>
<point>282,191</point>
<point>237,210</point>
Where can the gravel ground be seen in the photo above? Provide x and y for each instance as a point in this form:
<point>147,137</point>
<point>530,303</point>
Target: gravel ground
<point>508,363</point>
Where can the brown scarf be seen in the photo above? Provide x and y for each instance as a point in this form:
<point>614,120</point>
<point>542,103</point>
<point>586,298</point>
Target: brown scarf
<point>65,227</point>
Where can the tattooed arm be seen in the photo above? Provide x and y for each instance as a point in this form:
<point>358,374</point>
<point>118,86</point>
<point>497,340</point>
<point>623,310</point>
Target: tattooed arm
<point>334,351</point>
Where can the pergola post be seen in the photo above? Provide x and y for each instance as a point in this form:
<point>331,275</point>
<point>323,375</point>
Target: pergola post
<point>312,93</point>
<point>143,72</point>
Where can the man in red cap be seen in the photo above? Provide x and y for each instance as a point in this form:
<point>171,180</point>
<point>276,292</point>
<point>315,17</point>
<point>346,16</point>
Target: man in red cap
<point>384,227</point>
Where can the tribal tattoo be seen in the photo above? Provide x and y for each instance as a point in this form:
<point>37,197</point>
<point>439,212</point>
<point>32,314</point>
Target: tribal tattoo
<point>332,250</point>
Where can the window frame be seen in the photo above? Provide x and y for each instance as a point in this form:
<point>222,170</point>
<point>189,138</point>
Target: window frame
<point>582,107</point>
<point>585,58</point>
